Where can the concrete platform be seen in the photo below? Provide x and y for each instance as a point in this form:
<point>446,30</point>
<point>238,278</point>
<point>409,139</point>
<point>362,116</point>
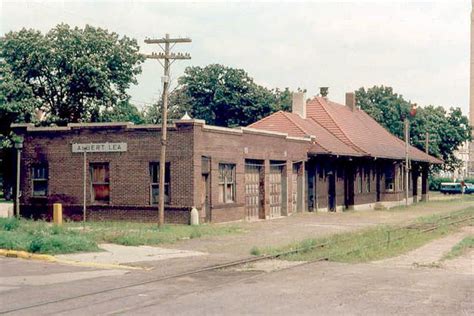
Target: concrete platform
<point>117,254</point>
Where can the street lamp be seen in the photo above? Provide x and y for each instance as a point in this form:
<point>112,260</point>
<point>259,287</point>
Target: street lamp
<point>18,146</point>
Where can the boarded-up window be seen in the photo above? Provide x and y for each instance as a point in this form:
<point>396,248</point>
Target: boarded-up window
<point>100,182</point>
<point>226,183</point>
<point>155,182</point>
<point>39,176</point>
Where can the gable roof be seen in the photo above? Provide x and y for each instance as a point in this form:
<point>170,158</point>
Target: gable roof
<point>342,131</point>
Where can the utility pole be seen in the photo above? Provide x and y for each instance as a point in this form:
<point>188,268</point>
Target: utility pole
<point>427,142</point>
<point>167,56</point>
<point>407,139</point>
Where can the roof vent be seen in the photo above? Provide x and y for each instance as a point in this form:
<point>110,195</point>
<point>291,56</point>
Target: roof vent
<point>351,101</point>
<point>298,105</point>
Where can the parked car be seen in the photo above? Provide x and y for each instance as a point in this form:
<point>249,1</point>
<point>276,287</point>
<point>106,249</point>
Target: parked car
<point>456,188</point>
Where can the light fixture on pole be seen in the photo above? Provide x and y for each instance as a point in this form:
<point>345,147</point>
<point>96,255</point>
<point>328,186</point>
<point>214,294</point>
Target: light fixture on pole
<point>18,144</point>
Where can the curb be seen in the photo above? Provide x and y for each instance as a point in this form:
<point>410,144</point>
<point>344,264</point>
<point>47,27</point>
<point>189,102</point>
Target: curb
<point>49,258</point>
<point>25,255</point>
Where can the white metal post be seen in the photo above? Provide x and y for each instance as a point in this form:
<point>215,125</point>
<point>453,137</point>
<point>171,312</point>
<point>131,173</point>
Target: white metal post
<point>84,188</point>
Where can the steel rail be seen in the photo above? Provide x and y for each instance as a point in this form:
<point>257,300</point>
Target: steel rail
<point>232,264</point>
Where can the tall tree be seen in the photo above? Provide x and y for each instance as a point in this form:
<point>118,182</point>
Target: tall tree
<point>448,129</point>
<point>72,74</point>
<point>124,111</point>
<point>224,96</point>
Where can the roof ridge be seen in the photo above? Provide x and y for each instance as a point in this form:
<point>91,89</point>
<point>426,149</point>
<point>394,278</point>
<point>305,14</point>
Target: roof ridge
<point>265,118</point>
<point>351,143</point>
<point>292,121</point>
<point>301,129</point>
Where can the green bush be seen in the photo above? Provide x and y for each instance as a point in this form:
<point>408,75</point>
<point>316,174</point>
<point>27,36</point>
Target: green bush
<point>255,251</point>
<point>434,183</point>
<point>9,224</point>
<point>61,244</point>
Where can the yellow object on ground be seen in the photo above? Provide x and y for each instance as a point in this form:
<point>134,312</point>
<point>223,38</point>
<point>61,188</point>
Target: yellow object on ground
<point>32,256</point>
<point>58,213</point>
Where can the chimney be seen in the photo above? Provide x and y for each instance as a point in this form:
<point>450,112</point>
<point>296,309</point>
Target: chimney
<point>298,105</point>
<point>351,101</point>
<point>324,91</point>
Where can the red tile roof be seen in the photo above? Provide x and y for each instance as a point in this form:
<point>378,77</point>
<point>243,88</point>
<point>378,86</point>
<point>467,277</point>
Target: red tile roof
<point>339,130</point>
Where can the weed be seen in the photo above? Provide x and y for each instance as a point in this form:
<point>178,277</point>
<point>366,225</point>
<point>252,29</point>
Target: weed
<point>255,251</point>
<point>9,224</point>
<point>195,233</point>
<point>374,243</point>
<point>460,248</point>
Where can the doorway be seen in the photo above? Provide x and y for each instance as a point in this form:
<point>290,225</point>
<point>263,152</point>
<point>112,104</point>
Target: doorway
<point>254,190</point>
<point>331,191</point>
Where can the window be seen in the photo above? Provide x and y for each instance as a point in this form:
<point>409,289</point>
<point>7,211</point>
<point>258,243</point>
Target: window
<point>367,180</point>
<point>40,180</point>
<point>389,179</point>
<point>155,183</point>
<point>226,183</point>
<point>100,182</point>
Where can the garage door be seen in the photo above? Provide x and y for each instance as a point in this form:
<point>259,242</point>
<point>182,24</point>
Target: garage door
<point>276,177</point>
<point>253,193</point>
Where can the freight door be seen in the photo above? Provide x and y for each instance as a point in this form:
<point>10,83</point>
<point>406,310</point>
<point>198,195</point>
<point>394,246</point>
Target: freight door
<point>276,177</point>
<point>253,191</point>
<point>294,189</point>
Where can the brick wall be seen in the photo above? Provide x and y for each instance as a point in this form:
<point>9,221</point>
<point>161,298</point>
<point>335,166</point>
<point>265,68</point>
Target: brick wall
<point>129,171</point>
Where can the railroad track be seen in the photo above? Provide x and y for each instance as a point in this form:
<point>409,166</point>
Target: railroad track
<point>459,219</point>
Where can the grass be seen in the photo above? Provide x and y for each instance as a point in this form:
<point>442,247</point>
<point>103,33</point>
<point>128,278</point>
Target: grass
<point>449,200</point>
<point>44,237</point>
<point>372,243</point>
<point>460,248</point>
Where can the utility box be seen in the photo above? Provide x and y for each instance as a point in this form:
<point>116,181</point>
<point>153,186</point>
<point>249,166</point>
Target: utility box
<point>58,213</point>
<point>194,216</point>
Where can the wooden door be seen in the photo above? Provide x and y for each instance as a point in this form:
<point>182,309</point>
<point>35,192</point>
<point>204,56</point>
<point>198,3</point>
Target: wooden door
<point>253,192</point>
<point>276,199</point>
<point>205,197</point>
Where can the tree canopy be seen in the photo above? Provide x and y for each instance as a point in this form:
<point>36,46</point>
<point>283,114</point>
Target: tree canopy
<point>70,74</point>
<point>225,96</point>
<point>448,130</point>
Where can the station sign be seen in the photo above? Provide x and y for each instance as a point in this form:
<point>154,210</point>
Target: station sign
<point>99,147</point>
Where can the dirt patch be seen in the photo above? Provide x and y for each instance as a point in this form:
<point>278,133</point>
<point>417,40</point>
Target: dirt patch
<point>268,265</point>
<point>430,255</point>
<point>283,231</point>
<point>463,263</point>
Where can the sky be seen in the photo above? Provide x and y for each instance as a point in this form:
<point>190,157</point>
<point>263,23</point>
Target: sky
<point>421,49</point>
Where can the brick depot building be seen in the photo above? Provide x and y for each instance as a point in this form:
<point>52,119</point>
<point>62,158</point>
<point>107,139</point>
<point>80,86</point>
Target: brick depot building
<point>321,157</point>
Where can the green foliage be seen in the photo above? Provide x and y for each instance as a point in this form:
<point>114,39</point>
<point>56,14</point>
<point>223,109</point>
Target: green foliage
<point>434,183</point>
<point>460,248</point>
<point>70,74</point>
<point>448,130</point>
<point>124,111</point>
<point>222,96</point>
<point>255,251</point>
<point>44,237</point>
<point>374,243</point>
<point>9,224</point>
